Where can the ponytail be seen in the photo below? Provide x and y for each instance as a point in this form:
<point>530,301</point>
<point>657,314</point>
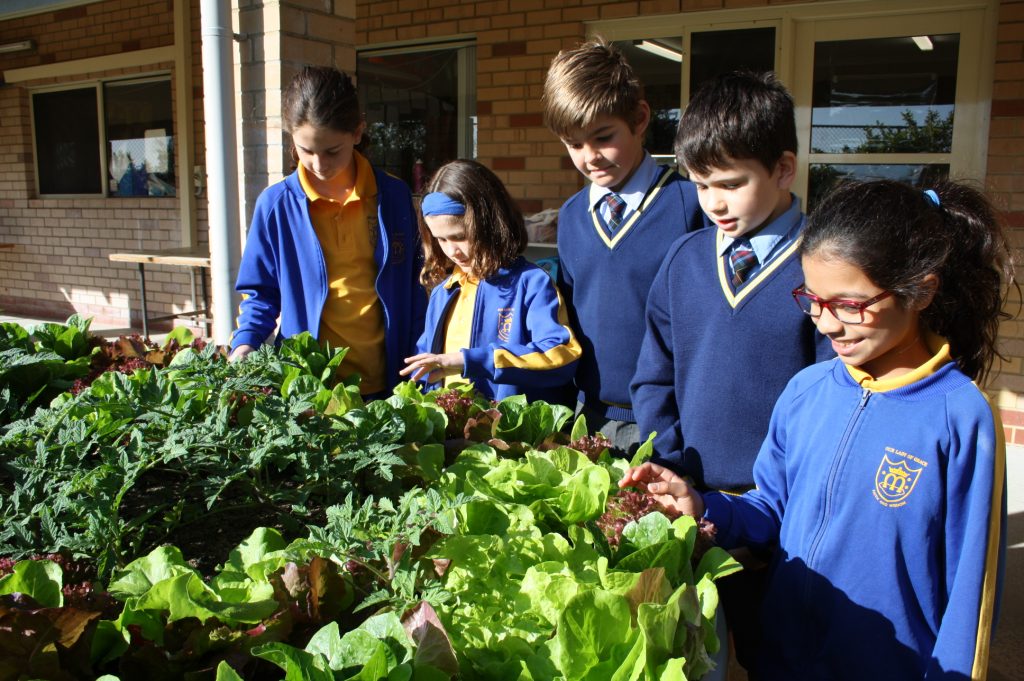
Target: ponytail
<point>898,235</point>
<point>968,304</point>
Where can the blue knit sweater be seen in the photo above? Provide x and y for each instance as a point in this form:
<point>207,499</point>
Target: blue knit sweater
<point>605,281</point>
<point>713,361</point>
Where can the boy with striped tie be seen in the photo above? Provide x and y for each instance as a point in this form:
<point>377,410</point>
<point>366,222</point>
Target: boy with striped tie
<point>612,234</point>
<point>722,337</point>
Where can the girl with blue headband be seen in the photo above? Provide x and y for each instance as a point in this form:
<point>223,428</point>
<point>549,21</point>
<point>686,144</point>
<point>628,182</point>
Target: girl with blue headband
<point>494,318</point>
<point>882,480</point>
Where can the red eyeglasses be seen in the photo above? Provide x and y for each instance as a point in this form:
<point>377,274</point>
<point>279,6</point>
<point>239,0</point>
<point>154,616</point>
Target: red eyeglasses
<point>846,311</point>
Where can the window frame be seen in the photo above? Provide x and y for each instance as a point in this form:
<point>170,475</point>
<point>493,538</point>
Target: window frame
<point>465,46</point>
<point>96,84</point>
<point>967,156</point>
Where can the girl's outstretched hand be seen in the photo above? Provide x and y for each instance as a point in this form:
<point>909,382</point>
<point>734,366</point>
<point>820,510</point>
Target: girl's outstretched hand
<point>667,488</point>
<point>240,352</point>
<point>433,367</point>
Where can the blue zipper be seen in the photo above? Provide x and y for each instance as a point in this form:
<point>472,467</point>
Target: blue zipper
<point>841,451</point>
<point>837,460</point>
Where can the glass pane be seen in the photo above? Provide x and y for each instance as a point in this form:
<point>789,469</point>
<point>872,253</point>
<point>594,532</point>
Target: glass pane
<point>718,52</point>
<point>884,95</point>
<point>657,63</point>
<point>67,146</point>
<point>140,138</point>
<point>412,113</point>
<point>825,176</point>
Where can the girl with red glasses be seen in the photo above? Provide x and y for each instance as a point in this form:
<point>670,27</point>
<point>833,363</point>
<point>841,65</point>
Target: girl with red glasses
<point>882,479</point>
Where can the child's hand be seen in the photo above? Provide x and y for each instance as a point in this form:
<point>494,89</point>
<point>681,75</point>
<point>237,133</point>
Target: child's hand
<point>667,488</point>
<point>433,367</point>
<point>240,352</point>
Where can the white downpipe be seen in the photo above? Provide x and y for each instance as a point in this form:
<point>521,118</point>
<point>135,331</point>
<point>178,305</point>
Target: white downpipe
<point>221,162</point>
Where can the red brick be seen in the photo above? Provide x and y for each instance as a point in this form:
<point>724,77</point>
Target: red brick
<point>529,206</point>
<point>508,49</point>
<point>1013,417</point>
<point>508,163</point>
<point>70,14</point>
<point>526,120</point>
<point>1007,107</point>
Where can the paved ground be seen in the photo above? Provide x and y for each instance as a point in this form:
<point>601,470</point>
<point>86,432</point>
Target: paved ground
<point>1007,659</point>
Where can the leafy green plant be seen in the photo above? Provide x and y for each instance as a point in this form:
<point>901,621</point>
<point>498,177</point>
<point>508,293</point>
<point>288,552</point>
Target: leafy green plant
<point>441,535</point>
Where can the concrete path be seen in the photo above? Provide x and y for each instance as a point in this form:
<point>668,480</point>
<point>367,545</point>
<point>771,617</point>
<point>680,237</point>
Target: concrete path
<point>1007,660</point>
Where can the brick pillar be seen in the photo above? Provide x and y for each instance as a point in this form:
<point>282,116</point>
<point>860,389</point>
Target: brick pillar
<point>279,38</point>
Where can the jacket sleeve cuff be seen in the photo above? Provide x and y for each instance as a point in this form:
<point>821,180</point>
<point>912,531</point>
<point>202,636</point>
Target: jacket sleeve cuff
<point>718,511</point>
<point>477,364</point>
<point>252,338</point>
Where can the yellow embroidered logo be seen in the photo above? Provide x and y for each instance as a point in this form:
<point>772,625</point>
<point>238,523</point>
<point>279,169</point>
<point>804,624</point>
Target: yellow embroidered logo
<point>896,476</point>
<point>505,315</point>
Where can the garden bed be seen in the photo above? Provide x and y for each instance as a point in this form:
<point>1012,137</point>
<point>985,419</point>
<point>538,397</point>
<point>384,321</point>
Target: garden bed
<point>258,520</point>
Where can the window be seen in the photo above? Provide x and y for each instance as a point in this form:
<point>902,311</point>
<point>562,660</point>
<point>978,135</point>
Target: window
<point>882,108</point>
<point>131,153</point>
<point>420,108</point>
<point>672,68</point>
<point>882,89</point>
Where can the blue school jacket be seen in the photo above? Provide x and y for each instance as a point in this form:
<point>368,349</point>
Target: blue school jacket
<point>887,503</point>
<point>521,341</point>
<point>283,273</point>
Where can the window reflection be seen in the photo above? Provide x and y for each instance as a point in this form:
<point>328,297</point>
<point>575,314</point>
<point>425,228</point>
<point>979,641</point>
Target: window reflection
<point>884,95</point>
<point>412,111</point>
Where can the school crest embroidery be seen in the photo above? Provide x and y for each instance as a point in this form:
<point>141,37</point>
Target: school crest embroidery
<point>505,316</point>
<point>895,480</point>
<point>397,249</point>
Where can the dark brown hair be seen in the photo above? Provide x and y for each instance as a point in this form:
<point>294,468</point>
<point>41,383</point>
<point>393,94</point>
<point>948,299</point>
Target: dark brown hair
<point>323,97</point>
<point>494,224</point>
<point>740,115</point>
<point>897,236</point>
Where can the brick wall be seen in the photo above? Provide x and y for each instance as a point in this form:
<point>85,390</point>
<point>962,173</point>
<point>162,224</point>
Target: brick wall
<point>59,264</point>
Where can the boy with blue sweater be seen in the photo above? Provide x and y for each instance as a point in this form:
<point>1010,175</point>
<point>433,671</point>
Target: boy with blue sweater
<point>612,234</point>
<point>722,338</point>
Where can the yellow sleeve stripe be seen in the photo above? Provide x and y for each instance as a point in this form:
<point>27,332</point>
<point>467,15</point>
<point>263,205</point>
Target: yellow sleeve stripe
<point>556,357</point>
<point>988,590</point>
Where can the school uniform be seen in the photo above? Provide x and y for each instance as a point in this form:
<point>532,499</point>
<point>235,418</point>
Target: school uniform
<point>285,275</point>
<point>886,502</point>
<point>605,274</point>
<point>716,356</point>
<point>515,326</point>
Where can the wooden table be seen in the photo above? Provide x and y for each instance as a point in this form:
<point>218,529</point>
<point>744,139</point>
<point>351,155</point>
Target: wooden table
<point>189,256</point>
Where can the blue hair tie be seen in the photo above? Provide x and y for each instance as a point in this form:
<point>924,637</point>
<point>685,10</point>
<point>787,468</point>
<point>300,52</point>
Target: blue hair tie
<point>932,196</point>
<point>438,203</point>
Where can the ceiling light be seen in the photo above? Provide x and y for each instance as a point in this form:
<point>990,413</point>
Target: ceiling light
<point>19,46</point>
<point>660,49</point>
<point>923,42</point>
